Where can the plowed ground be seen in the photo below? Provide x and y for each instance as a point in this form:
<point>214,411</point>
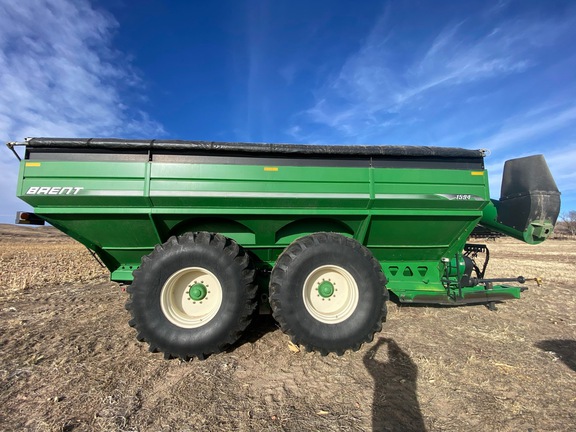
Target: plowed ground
<point>70,362</point>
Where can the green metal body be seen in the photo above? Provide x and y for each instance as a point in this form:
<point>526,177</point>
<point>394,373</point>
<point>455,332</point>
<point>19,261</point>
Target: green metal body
<point>410,218</point>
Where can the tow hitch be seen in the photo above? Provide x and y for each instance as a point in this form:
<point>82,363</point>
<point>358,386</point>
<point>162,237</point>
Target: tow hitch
<point>489,284</point>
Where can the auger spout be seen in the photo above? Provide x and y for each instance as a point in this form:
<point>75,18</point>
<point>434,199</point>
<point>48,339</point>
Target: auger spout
<point>529,201</point>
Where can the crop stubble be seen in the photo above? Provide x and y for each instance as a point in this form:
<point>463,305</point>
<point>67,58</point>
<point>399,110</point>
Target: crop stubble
<point>70,361</point>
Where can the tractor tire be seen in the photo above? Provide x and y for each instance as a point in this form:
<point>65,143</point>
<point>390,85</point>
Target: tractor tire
<point>328,293</point>
<point>192,296</point>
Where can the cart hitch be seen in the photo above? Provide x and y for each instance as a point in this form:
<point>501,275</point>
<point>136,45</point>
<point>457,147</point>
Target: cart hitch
<point>489,282</point>
<point>519,279</point>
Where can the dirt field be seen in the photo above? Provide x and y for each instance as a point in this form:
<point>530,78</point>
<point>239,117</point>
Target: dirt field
<point>70,362</point>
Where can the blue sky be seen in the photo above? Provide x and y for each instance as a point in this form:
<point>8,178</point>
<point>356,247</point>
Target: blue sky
<point>476,74</point>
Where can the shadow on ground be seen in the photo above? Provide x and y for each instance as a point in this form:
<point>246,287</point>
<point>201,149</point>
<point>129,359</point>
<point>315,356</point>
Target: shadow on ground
<point>564,349</point>
<point>258,328</point>
<point>395,406</point>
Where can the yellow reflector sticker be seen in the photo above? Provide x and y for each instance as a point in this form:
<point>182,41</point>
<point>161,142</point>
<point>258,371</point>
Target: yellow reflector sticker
<point>477,173</point>
<point>270,168</point>
<point>32,164</point>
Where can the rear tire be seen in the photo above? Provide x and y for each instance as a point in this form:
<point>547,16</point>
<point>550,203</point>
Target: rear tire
<point>328,293</point>
<point>193,295</point>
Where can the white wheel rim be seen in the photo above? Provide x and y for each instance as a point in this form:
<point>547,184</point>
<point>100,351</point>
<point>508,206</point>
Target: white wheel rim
<point>185,303</point>
<point>326,306</point>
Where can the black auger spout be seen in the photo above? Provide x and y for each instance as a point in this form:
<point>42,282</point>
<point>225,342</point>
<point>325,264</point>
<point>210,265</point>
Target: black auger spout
<point>529,201</point>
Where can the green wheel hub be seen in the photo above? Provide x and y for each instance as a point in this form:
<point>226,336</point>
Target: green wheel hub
<point>326,289</point>
<point>197,291</point>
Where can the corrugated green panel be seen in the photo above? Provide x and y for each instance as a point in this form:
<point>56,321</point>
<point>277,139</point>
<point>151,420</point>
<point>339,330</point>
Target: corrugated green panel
<point>429,176</point>
<point>110,231</point>
<point>224,187</point>
<point>407,217</point>
<point>280,204</point>
<point>78,169</point>
<point>413,230</point>
<point>429,189</point>
<point>52,192</point>
<point>76,184</point>
<point>270,173</point>
<point>258,187</point>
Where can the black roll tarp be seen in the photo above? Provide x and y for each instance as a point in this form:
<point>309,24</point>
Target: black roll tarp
<point>178,146</point>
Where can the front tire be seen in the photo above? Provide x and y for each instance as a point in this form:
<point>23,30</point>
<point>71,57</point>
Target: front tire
<point>193,295</point>
<point>328,293</point>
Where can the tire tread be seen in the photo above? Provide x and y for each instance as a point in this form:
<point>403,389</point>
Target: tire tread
<point>278,274</point>
<point>244,267</point>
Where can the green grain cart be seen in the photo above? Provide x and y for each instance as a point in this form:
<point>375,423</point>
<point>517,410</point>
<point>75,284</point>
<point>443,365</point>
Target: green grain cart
<point>205,231</point>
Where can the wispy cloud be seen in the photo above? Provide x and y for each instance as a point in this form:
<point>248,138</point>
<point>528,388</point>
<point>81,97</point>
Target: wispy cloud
<point>530,127</point>
<point>387,83</point>
<point>60,76</point>
<point>454,59</point>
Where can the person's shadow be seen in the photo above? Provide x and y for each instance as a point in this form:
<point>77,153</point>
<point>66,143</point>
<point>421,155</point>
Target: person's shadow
<point>395,406</point>
<point>564,349</point>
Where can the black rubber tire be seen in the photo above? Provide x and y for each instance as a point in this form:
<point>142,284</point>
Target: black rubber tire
<point>297,262</point>
<point>213,252</point>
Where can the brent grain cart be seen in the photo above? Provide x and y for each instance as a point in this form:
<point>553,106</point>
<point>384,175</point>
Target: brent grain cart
<point>204,231</point>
